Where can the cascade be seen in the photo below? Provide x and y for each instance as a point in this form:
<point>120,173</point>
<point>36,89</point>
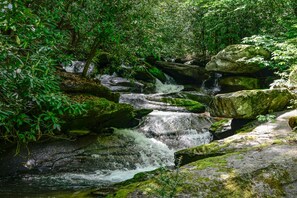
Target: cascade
<point>128,151</point>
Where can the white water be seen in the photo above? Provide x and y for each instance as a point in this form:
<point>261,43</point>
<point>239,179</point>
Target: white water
<point>169,86</point>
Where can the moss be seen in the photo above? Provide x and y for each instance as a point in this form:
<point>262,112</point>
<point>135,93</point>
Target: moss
<point>212,162</point>
<point>124,191</point>
<point>190,105</point>
<point>157,73</point>
<point>101,113</point>
<point>218,125</point>
<point>79,132</point>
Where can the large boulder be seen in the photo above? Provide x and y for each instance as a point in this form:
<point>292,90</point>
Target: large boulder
<point>238,59</point>
<point>184,73</point>
<point>247,104</point>
<point>237,83</point>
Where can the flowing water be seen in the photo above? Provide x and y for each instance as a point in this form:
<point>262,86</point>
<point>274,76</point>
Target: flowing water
<point>119,157</point>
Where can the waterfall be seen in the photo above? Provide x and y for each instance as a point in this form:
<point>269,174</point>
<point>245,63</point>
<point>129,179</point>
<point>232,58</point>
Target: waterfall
<point>169,86</point>
<point>214,86</point>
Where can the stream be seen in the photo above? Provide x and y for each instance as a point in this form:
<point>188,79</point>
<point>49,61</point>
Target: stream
<point>118,157</point>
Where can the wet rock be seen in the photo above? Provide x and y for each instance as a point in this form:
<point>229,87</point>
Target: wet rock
<point>177,129</point>
<point>238,59</point>
<point>194,95</point>
<point>119,84</point>
<point>248,104</point>
<point>153,102</point>
<point>85,155</point>
<point>190,105</point>
<point>184,73</point>
<point>157,74</point>
<point>237,83</point>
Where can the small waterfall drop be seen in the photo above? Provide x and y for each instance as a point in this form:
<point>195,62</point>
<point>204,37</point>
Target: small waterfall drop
<point>214,87</point>
<point>169,86</point>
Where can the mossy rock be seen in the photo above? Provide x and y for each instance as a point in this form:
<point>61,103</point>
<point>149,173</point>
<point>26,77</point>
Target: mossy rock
<point>101,113</point>
<point>190,105</point>
<point>238,59</point>
<point>189,155</point>
<point>143,74</point>
<point>157,74</point>
<point>218,125</point>
<point>230,175</point>
<point>293,122</point>
<point>248,104</point>
<point>75,84</point>
<point>237,83</point>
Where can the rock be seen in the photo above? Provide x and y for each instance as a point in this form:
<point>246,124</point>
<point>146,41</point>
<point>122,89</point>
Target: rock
<point>248,104</point>
<point>221,128</point>
<point>119,84</point>
<point>237,83</point>
<point>85,154</point>
<point>238,59</point>
<point>101,114</point>
<point>261,163</point>
<point>184,73</point>
<point>143,74</point>
<point>190,105</point>
<point>157,74</point>
<point>77,67</point>
<point>293,122</point>
<point>75,84</point>
<point>193,95</point>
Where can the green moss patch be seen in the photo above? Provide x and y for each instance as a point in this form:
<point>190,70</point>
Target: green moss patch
<point>190,105</point>
<point>157,73</point>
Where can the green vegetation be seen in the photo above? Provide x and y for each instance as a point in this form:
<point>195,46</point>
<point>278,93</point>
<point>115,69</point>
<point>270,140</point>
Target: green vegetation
<point>190,105</point>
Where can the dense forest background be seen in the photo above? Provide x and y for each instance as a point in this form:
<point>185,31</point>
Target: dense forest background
<point>38,36</point>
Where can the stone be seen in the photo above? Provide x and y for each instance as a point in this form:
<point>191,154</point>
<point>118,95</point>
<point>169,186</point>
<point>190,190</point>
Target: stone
<point>238,59</point>
<point>237,83</point>
<point>75,84</point>
<point>248,104</point>
<point>184,73</point>
<point>190,105</point>
<point>119,84</point>
<point>102,113</point>
<point>293,122</point>
<point>261,163</point>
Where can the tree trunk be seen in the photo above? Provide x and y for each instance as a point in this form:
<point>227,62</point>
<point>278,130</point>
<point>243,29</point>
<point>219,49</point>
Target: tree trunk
<point>91,55</point>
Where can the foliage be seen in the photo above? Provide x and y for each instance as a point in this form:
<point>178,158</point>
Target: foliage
<point>223,22</point>
<point>284,51</point>
<point>266,118</point>
<point>30,101</point>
